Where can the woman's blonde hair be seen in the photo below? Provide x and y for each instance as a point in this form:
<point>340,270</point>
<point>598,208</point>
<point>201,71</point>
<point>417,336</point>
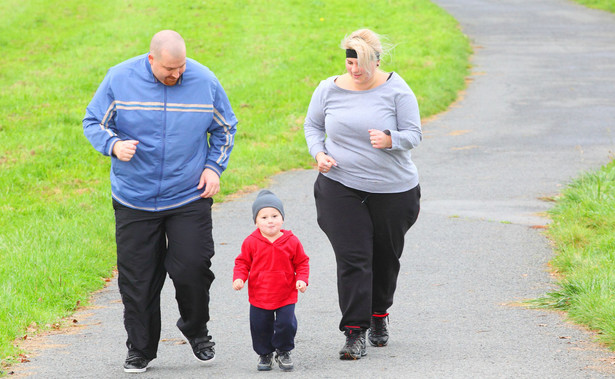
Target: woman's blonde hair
<point>368,46</point>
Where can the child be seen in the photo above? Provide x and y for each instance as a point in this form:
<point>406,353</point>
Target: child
<point>276,265</point>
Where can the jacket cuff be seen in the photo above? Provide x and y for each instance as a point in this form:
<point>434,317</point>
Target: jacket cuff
<point>112,143</point>
<point>214,167</point>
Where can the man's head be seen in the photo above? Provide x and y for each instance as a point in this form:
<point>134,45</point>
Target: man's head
<point>167,56</point>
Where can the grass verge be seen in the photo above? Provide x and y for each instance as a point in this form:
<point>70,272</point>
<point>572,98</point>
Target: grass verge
<point>582,231</point>
<point>606,5</point>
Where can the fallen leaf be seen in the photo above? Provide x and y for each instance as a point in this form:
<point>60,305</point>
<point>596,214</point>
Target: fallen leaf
<point>539,226</point>
<point>458,132</point>
<point>465,147</point>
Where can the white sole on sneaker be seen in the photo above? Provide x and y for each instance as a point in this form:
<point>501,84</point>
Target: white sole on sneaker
<point>135,370</point>
<point>207,362</point>
<point>204,362</point>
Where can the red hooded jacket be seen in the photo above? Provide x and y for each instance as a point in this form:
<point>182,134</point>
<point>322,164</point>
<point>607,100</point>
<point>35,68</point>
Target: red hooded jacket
<point>272,269</point>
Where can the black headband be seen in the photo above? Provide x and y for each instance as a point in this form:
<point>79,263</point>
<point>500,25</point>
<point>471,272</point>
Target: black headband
<point>351,53</point>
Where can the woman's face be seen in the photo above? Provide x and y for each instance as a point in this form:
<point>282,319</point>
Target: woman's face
<point>358,74</point>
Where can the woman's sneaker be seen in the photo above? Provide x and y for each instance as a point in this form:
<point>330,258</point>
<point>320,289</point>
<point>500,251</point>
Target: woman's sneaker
<point>378,334</point>
<point>265,362</point>
<point>354,348</point>
<point>283,359</point>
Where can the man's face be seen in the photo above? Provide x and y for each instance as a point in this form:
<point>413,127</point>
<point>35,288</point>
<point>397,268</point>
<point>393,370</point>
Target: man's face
<point>167,68</point>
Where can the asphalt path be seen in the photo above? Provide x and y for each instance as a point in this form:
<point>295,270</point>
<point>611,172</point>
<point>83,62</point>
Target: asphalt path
<point>539,111</point>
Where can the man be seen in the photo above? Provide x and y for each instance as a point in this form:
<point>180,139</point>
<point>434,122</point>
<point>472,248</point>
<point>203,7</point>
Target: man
<point>168,126</point>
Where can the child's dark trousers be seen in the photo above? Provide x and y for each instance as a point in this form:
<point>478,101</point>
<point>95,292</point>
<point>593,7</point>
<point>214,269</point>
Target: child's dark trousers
<point>273,329</point>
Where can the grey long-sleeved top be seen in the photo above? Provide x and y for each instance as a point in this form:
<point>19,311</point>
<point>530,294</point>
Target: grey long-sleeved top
<point>338,121</point>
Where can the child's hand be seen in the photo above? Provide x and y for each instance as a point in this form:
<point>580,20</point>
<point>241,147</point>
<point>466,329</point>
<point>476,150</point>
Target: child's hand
<point>237,284</point>
<point>301,286</point>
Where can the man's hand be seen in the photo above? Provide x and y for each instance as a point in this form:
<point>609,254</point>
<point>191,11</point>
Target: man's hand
<point>210,181</point>
<point>125,150</point>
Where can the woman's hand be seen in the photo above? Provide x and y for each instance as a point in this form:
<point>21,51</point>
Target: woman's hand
<point>325,162</point>
<point>379,139</point>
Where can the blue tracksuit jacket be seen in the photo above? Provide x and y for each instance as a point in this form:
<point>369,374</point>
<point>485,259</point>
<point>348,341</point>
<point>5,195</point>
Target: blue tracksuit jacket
<point>181,129</point>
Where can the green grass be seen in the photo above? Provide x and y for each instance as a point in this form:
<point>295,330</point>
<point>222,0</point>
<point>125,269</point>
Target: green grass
<point>57,239</point>
<point>582,231</point>
<point>607,5</point>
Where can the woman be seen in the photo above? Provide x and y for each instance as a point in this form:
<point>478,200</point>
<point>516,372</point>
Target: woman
<point>360,128</point>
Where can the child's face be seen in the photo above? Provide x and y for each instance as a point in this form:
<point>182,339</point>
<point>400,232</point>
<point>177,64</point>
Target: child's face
<point>269,221</point>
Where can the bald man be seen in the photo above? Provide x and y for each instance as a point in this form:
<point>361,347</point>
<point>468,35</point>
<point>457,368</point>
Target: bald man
<point>169,128</point>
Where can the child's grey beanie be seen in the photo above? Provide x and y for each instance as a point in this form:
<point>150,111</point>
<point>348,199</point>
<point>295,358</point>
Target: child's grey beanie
<point>266,199</point>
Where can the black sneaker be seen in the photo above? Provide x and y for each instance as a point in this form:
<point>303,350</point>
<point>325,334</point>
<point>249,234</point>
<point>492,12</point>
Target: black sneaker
<point>354,348</point>
<point>283,359</point>
<point>265,362</point>
<point>203,348</point>
<point>378,334</point>
<point>135,362</point>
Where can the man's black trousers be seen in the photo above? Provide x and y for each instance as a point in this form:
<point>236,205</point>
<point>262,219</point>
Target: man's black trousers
<point>151,244</point>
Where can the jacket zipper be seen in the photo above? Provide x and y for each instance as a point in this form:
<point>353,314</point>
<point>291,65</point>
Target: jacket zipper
<point>164,138</point>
